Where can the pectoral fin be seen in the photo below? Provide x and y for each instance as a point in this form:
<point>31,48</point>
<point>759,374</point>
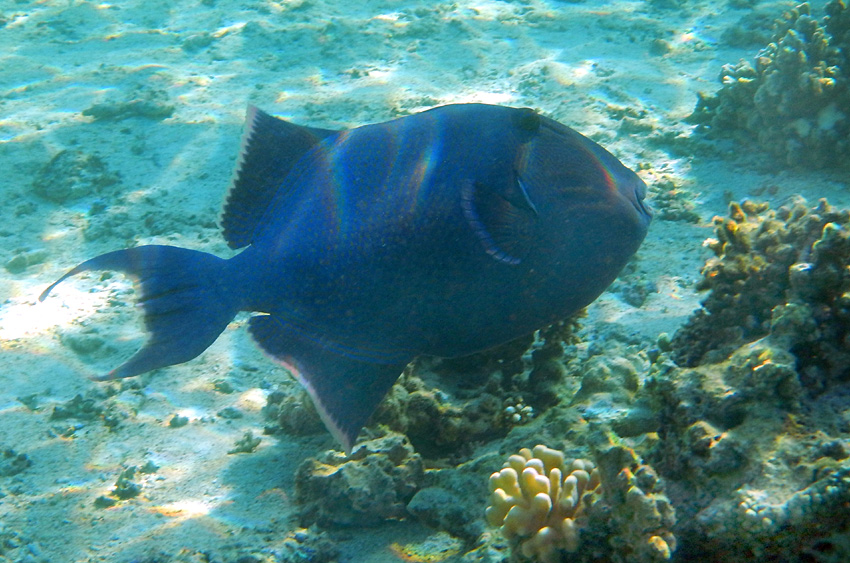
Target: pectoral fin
<point>501,218</point>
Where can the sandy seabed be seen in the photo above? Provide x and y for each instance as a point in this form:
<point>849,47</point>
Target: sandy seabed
<point>155,92</point>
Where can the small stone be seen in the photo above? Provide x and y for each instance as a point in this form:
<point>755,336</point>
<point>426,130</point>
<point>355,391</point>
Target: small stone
<point>835,449</point>
<point>659,47</point>
<point>12,463</point>
<point>223,386</point>
<point>125,488</point>
<point>230,413</point>
<point>178,421</point>
<point>149,467</point>
<point>104,502</point>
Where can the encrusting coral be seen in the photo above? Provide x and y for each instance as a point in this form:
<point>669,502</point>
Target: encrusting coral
<point>365,488</point>
<point>794,99</point>
<point>537,499</point>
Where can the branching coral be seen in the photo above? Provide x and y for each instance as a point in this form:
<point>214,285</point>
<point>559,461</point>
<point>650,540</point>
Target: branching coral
<point>537,500</point>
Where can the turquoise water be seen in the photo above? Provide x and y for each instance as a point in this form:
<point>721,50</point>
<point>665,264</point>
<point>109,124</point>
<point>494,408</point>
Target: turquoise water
<point>120,125</point>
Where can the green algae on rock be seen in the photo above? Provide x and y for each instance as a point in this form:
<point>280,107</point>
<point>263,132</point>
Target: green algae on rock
<point>795,99</point>
<point>73,174</point>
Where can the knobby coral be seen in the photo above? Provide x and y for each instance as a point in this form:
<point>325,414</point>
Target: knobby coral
<point>782,273</point>
<point>538,500</point>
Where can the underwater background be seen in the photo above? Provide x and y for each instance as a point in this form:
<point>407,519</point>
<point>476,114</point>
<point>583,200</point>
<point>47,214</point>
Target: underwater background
<point>701,406</point>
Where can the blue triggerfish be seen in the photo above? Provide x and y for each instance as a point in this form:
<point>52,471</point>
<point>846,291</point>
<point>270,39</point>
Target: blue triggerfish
<point>445,233</point>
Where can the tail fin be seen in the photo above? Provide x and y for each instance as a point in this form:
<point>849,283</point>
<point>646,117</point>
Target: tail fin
<point>185,297</point>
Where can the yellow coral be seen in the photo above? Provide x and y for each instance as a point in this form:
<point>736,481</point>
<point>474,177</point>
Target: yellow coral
<point>536,499</point>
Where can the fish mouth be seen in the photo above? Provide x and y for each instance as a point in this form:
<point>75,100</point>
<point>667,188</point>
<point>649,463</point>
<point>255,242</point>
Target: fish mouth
<point>639,200</point>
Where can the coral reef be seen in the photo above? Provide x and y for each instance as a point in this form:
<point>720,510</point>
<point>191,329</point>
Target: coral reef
<point>292,414</point>
<point>672,202</point>
<point>757,464</point>
<point>440,423</point>
<point>537,501</point>
<point>610,389</point>
<point>780,271</point>
<point>371,485</point>
<point>446,406</point>
<point>794,99</point>
<point>753,434</point>
<point>634,513</point>
<point>453,498</point>
<point>547,508</point>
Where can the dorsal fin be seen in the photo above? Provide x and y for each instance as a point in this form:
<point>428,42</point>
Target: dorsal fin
<point>270,148</point>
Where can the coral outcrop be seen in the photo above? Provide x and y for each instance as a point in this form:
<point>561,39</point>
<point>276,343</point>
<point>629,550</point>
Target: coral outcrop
<point>368,487</point>
<point>754,437</point>
<point>446,406</point>
<point>72,175</point>
<point>537,500</point>
<point>781,272</point>
<point>634,513</point>
<point>757,464</point>
<point>552,511</point>
<point>794,99</point>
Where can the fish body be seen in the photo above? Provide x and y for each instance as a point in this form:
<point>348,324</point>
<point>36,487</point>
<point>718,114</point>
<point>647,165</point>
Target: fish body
<point>445,233</point>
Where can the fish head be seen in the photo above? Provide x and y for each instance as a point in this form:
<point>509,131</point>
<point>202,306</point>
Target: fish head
<point>584,196</point>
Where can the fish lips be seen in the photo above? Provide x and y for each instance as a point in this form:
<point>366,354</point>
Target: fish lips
<point>638,200</point>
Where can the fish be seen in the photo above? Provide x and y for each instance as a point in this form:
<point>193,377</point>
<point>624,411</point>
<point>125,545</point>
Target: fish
<point>442,233</point>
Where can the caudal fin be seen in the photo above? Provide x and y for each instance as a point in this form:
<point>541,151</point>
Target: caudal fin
<point>185,298</point>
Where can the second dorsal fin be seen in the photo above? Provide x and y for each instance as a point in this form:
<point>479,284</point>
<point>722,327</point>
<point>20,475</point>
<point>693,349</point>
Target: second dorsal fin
<point>270,148</point>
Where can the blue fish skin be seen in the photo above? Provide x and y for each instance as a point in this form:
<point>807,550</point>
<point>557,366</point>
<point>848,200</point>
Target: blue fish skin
<point>445,233</point>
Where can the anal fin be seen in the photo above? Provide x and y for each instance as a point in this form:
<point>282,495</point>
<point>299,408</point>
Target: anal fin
<point>345,387</point>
